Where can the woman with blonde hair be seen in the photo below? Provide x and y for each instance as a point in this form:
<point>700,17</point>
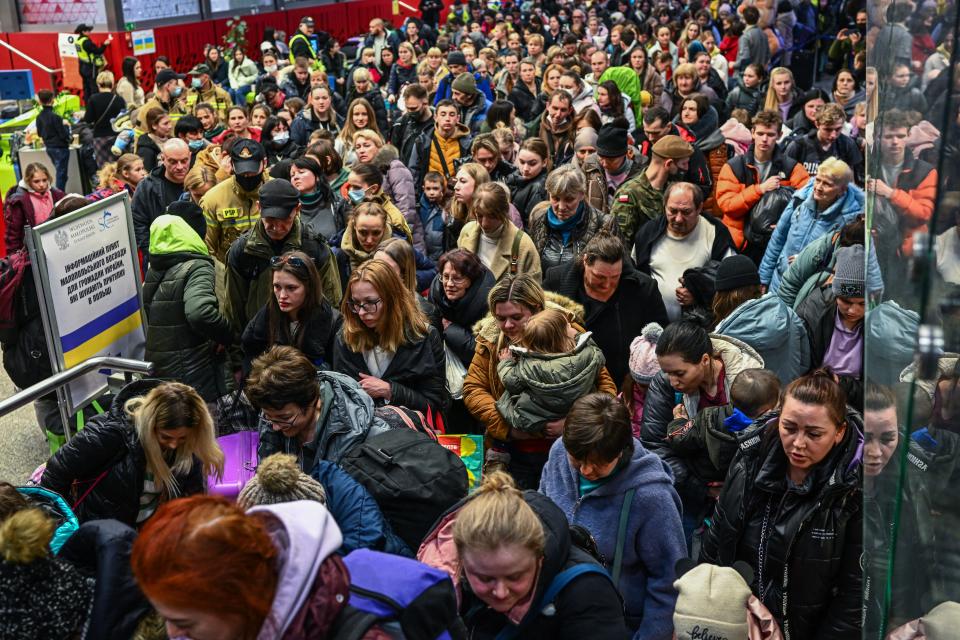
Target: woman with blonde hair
<point>199,180</point>
<point>502,246</point>
<point>367,227</point>
<point>435,63</point>
<point>360,115</point>
<point>114,177</point>
<point>511,303</point>
<point>505,549</point>
<point>102,107</point>
<point>782,94</point>
<point>398,185</point>
<point>155,444</point>
<point>387,343</point>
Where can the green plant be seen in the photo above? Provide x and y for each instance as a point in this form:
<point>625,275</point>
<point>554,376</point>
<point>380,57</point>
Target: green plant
<point>236,36</point>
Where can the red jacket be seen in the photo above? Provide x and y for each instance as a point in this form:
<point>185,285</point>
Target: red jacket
<point>18,213</point>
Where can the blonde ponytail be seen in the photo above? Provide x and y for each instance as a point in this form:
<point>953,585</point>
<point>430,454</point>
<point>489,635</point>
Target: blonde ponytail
<point>25,536</point>
<point>497,515</point>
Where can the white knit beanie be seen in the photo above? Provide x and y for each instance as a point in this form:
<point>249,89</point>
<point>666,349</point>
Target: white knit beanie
<point>712,603</point>
<point>643,354</point>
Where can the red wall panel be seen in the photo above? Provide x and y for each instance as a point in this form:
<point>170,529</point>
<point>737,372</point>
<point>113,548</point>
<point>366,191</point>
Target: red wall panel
<point>183,43</point>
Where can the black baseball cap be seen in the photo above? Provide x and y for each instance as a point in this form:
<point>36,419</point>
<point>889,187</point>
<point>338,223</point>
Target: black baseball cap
<point>247,156</point>
<point>307,20</point>
<point>167,75</point>
<point>278,199</point>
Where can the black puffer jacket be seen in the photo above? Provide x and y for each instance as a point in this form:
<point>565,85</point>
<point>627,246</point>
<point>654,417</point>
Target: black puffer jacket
<point>550,244</point>
<point>808,566</point>
<point>462,314</point>
<point>527,105</point>
<point>318,332</point>
<point>526,194</point>
<point>184,322</point>
<point>417,373</point>
<point>109,442</point>
<point>102,549</point>
<point>819,312</point>
<point>588,607</point>
<point>743,97</point>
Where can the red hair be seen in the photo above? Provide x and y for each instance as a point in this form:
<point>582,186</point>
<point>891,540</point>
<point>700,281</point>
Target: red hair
<point>204,553</point>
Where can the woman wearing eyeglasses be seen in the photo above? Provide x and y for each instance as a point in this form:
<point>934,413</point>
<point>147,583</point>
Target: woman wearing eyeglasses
<point>296,314</point>
<point>459,292</point>
<point>387,343</point>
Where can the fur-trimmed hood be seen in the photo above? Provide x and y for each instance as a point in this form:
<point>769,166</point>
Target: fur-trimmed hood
<point>487,329</point>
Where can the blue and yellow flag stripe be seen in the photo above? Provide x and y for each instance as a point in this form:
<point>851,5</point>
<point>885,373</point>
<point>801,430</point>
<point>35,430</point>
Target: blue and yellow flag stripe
<point>98,334</point>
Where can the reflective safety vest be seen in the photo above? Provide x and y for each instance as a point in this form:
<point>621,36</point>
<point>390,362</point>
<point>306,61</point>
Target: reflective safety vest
<point>305,39</point>
<point>95,59</point>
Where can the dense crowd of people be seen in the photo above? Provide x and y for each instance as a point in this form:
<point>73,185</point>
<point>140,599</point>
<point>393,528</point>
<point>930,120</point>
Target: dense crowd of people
<point>624,243</point>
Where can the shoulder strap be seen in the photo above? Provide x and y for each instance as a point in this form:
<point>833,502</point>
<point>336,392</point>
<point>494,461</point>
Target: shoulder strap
<point>560,581</point>
<point>740,170</point>
<point>352,624</point>
<point>443,159</point>
<point>622,534</point>
<point>105,111</point>
<point>515,252</point>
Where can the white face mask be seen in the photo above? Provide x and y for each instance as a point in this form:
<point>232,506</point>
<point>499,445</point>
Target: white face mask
<point>270,68</point>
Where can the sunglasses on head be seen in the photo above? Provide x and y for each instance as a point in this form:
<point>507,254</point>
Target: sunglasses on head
<point>278,261</point>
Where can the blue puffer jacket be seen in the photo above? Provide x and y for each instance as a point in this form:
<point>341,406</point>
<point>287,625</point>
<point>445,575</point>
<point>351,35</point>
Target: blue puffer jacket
<point>800,224</point>
<point>775,331</point>
<point>654,536</point>
<point>356,512</point>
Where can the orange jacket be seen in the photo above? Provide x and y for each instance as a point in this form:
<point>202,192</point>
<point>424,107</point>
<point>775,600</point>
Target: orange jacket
<point>737,195</point>
<point>913,196</point>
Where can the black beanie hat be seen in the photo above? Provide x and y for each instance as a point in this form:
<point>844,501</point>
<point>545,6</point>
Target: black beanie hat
<point>735,272</point>
<point>191,212</point>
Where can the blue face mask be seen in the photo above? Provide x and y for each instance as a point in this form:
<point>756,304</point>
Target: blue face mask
<point>176,91</point>
<point>196,83</point>
<point>195,145</point>
<point>356,195</point>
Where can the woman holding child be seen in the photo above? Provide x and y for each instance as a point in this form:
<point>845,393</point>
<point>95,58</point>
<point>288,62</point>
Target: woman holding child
<point>697,372</point>
<point>513,301</point>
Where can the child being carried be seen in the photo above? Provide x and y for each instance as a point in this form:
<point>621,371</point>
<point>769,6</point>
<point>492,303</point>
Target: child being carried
<point>550,368</point>
<point>709,441</point>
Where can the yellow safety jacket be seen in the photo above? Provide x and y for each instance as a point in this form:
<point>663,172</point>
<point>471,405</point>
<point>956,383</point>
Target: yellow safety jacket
<point>300,36</point>
<point>97,60</point>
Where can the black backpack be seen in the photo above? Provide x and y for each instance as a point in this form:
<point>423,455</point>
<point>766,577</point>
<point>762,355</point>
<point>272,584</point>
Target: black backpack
<point>413,479</point>
<point>763,217</point>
